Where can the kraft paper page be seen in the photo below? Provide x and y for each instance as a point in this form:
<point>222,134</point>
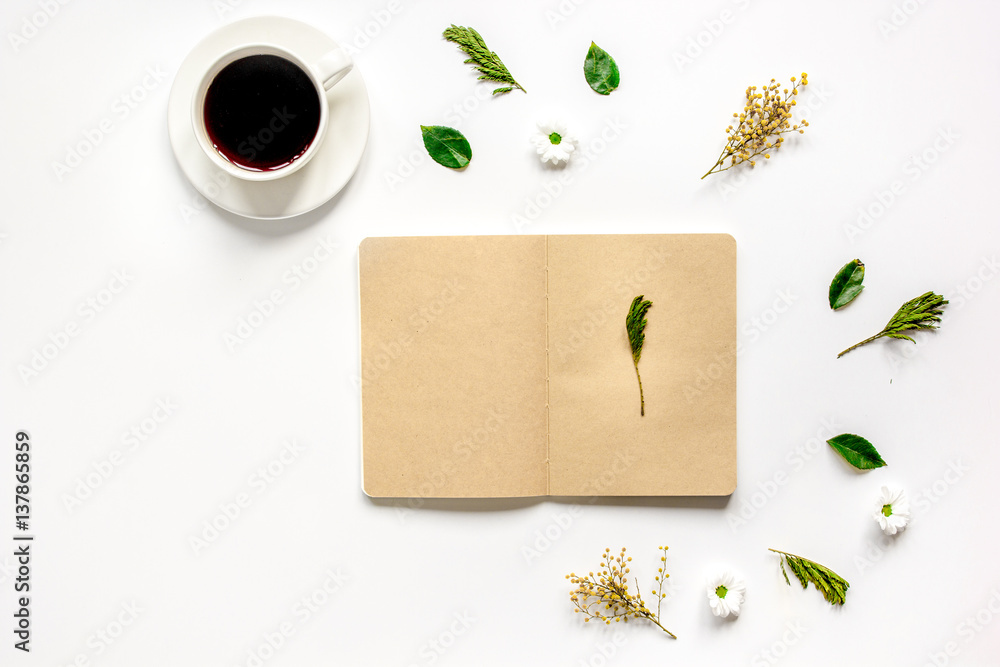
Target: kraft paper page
<point>598,442</point>
<point>453,366</point>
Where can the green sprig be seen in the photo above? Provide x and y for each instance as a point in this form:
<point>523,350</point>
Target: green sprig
<point>829,583</point>
<point>922,312</point>
<point>635,325</point>
<point>486,62</point>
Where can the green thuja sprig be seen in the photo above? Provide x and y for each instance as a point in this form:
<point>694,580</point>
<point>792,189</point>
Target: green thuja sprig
<point>922,312</point>
<point>487,62</point>
<point>635,325</point>
<point>829,583</point>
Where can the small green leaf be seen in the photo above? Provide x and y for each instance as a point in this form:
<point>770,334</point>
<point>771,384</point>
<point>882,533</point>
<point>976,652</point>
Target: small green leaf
<point>447,146</point>
<point>798,570</point>
<point>846,284</point>
<point>601,70</point>
<point>857,451</point>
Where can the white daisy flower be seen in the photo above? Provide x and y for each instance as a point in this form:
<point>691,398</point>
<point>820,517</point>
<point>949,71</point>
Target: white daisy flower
<point>725,594</point>
<point>553,143</point>
<point>892,512</point>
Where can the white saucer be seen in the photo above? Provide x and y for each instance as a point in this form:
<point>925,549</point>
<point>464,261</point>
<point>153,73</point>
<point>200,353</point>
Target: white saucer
<point>330,168</point>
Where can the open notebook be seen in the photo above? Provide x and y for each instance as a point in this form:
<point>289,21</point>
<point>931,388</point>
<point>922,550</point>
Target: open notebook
<point>499,366</point>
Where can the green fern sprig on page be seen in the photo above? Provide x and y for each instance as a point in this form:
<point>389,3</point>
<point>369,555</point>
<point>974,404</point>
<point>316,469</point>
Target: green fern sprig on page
<point>488,63</point>
<point>829,583</point>
<point>635,325</point>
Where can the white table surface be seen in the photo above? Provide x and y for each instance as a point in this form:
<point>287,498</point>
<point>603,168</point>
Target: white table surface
<point>459,583</point>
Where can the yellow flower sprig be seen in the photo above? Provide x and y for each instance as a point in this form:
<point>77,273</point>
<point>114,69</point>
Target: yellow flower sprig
<point>606,596</point>
<point>766,116</point>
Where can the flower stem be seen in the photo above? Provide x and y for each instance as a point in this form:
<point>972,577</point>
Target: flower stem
<point>653,620</point>
<point>718,163</point>
<point>642,401</point>
<point>867,340</point>
<point>785,553</point>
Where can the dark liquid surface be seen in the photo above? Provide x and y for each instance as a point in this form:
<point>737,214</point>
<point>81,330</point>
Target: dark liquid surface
<point>262,112</point>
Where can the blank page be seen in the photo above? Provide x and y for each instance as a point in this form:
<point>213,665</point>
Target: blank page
<point>453,366</point>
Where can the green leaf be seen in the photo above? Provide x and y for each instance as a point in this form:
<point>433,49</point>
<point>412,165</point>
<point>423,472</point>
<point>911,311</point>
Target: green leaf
<point>857,451</point>
<point>447,146</point>
<point>798,570</point>
<point>846,284</point>
<point>601,70</point>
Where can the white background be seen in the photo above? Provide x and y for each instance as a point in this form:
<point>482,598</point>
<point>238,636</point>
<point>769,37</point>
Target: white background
<point>890,83</point>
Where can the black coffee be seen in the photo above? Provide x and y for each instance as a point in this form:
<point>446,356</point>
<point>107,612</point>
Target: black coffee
<point>262,112</point>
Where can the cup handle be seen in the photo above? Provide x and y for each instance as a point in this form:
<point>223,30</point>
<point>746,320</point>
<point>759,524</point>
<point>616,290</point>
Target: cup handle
<point>333,67</point>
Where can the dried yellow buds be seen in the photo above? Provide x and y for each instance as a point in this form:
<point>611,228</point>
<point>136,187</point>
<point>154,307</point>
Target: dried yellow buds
<point>607,597</point>
<point>766,116</point>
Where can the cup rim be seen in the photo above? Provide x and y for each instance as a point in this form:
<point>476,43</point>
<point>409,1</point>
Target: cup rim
<point>198,117</point>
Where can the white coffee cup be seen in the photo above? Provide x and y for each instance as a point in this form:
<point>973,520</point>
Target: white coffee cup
<point>324,74</point>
